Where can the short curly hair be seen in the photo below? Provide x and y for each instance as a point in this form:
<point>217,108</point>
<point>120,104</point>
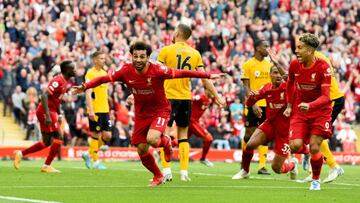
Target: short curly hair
<point>310,40</point>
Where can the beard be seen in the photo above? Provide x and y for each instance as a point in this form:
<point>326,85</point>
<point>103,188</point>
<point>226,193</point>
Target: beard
<point>139,66</point>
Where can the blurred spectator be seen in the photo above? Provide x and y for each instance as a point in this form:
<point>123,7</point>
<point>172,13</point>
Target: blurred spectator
<point>238,134</point>
<point>236,109</point>
<point>347,137</point>
<point>120,135</point>
<point>7,86</point>
<point>82,127</point>
<point>31,121</point>
<point>222,134</point>
<point>18,109</point>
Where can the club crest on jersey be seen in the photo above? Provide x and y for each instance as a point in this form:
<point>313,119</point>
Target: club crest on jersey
<point>282,96</point>
<point>257,73</point>
<point>55,84</point>
<point>149,81</point>
<point>313,77</point>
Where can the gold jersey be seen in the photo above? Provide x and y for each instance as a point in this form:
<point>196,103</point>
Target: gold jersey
<point>179,56</point>
<point>99,97</point>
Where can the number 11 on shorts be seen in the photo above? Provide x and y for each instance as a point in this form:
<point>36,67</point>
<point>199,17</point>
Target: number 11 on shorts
<point>160,122</point>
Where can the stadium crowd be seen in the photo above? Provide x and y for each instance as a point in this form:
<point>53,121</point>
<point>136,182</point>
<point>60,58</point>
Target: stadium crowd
<point>36,35</point>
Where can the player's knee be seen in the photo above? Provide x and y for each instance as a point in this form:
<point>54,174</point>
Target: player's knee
<point>208,138</point>
<point>294,146</point>
<point>142,149</point>
<point>106,136</point>
<point>276,168</point>
<point>314,148</point>
<point>251,146</point>
<point>153,140</point>
<point>47,142</point>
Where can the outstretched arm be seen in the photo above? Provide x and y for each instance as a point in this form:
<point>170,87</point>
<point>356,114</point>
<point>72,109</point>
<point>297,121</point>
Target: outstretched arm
<point>96,82</point>
<point>91,84</point>
<point>255,96</point>
<point>188,74</point>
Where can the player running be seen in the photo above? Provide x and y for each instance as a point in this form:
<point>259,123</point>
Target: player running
<point>309,103</point>
<point>152,110</point>
<point>47,114</point>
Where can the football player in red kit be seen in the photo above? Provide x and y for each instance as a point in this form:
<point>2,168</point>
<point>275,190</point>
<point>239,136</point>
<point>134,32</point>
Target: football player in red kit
<point>275,127</point>
<point>199,105</point>
<point>48,116</point>
<point>309,104</point>
<point>145,80</point>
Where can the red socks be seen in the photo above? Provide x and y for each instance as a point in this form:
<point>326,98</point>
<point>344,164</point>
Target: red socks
<point>34,148</point>
<point>286,167</point>
<point>54,149</point>
<point>316,162</point>
<point>246,159</point>
<point>206,147</point>
<point>149,162</point>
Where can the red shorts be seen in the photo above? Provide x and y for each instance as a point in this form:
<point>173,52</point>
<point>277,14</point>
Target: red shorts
<point>143,125</point>
<point>196,129</point>
<point>278,129</point>
<point>303,125</point>
<point>53,127</point>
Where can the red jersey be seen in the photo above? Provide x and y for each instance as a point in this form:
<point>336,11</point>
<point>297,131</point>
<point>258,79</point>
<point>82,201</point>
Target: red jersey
<point>199,104</point>
<point>310,85</point>
<point>56,88</point>
<point>275,98</point>
<point>148,88</point>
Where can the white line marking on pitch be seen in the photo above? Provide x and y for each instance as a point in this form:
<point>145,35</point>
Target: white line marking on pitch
<point>26,200</point>
<point>177,186</point>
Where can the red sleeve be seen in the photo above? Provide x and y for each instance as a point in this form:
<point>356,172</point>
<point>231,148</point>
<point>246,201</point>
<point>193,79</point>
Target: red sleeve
<point>118,74</point>
<point>97,81</point>
<point>290,88</point>
<point>262,94</point>
<point>169,73</point>
<point>189,74</point>
<point>325,89</point>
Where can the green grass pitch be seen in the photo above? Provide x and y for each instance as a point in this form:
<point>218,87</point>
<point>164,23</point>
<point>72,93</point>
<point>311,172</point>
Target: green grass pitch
<point>127,182</point>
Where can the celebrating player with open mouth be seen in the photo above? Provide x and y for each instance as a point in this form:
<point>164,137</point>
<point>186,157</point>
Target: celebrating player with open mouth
<point>152,109</point>
<point>309,103</point>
